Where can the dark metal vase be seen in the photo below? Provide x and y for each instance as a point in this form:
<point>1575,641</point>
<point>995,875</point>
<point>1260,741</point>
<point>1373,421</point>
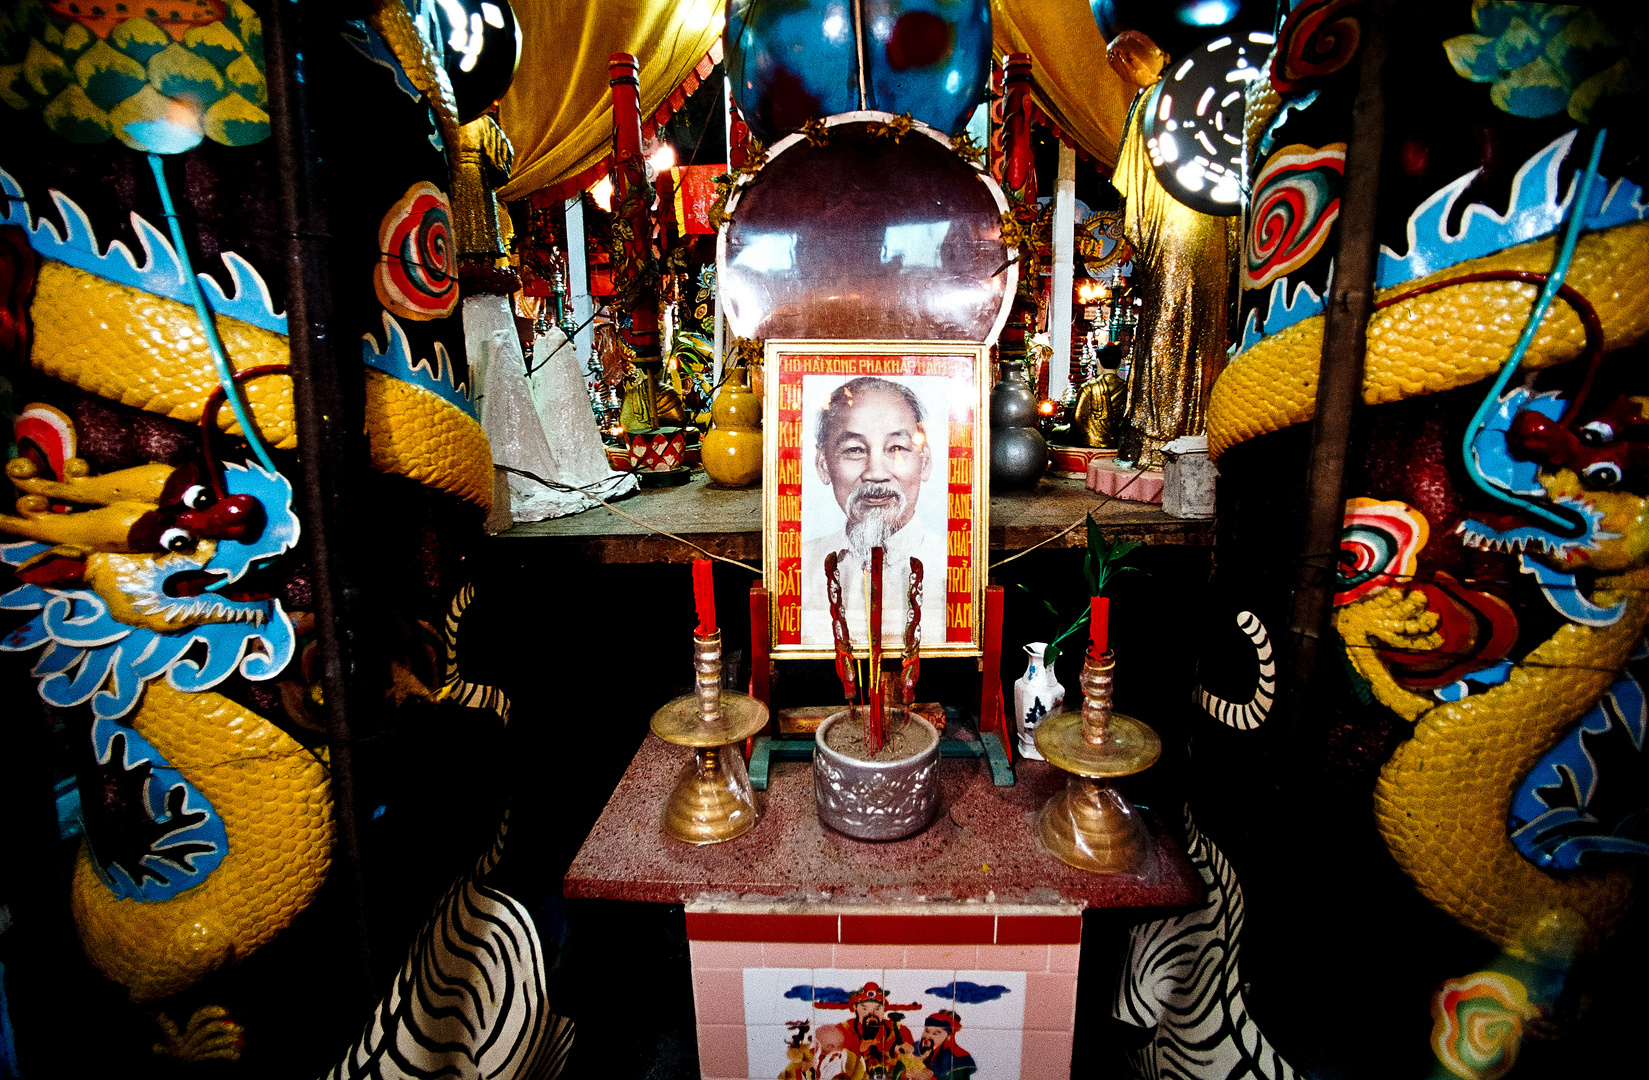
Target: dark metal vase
<point>1019,453</point>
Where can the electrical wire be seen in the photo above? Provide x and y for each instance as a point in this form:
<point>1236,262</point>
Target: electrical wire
<point>1560,269</point>
<point>1139,471</point>
<point>214,344</point>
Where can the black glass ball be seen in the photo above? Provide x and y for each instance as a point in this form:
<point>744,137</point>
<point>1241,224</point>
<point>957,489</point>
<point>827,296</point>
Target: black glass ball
<point>481,44</point>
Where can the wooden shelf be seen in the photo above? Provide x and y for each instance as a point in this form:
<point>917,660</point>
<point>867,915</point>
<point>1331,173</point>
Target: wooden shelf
<point>728,522</point>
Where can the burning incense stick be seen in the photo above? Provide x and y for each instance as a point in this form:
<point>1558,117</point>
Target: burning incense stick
<point>875,731</point>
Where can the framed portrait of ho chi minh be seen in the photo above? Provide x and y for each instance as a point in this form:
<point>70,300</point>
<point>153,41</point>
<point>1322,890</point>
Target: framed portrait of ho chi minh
<point>875,444</point>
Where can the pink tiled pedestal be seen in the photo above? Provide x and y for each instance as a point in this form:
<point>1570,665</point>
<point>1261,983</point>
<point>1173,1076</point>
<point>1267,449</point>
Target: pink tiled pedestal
<point>792,916</point>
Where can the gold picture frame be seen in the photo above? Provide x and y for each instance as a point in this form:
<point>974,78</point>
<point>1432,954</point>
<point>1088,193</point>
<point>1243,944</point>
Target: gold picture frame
<point>937,512</point>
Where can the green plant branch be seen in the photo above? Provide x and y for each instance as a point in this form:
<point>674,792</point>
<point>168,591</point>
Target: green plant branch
<point>1102,563</point>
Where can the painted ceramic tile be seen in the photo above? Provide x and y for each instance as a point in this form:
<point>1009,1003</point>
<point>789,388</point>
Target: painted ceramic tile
<point>771,996</point>
<point>992,999</point>
<point>775,1048</point>
<point>996,1050</point>
<point>856,1023</point>
<point>831,988</point>
<point>914,984</point>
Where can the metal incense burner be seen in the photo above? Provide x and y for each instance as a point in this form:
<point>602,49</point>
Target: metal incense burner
<point>1089,825</point>
<point>712,800</point>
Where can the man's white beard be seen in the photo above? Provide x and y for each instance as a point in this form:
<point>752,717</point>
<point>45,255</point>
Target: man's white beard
<point>872,526</point>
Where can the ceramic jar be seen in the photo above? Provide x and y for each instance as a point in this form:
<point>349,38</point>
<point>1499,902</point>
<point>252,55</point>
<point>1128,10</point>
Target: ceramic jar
<point>732,453</point>
<point>876,800</point>
<point>1036,694</point>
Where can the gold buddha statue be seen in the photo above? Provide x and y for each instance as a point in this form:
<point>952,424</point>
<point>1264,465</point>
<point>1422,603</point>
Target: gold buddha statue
<point>1096,418</point>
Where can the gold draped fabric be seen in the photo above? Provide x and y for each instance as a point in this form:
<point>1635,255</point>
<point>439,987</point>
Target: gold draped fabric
<point>558,112</point>
<point>1184,266</point>
<point>1071,82</point>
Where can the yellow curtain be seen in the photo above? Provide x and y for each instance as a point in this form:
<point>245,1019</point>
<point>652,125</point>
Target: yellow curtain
<point>1071,81</point>
<point>558,113</point>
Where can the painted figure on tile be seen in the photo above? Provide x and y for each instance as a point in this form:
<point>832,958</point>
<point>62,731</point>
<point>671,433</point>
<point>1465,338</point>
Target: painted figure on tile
<point>835,1060</point>
<point>801,1054</point>
<point>940,1054</point>
<point>872,1034</point>
<point>874,452</point>
<point>877,1042</point>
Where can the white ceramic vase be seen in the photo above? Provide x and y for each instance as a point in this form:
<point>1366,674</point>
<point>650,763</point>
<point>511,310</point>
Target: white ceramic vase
<point>1036,694</point>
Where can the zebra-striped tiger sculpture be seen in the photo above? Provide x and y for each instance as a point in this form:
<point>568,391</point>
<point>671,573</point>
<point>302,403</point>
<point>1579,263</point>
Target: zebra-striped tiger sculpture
<point>469,1002</point>
<point>1180,979</point>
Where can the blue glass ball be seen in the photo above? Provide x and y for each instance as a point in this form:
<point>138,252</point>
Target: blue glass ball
<point>791,61</point>
<point>929,58</point>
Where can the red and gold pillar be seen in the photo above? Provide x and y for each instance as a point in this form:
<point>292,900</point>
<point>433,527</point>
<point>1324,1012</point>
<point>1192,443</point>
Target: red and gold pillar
<point>632,213</point>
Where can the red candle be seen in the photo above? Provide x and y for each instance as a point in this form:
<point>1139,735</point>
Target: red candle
<point>704,596</point>
<point>1099,626</point>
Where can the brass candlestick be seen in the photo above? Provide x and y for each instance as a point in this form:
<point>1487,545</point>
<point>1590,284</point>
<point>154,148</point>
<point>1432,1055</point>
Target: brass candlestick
<point>712,800</point>
<point>1089,825</point>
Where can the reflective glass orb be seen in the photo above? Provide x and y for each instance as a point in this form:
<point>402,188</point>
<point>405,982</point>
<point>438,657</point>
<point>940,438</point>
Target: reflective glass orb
<point>1193,126</point>
<point>798,60</point>
<point>481,47</point>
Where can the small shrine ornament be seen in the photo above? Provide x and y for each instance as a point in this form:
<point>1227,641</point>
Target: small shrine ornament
<point>1036,694</point>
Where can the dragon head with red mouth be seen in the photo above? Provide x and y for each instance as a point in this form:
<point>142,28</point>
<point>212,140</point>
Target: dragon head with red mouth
<point>1602,463</point>
<point>1580,490</point>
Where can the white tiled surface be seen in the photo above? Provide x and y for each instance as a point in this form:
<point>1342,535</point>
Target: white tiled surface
<point>764,1000</point>
<point>768,1055</point>
<point>908,986</point>
<point>997,1050</point>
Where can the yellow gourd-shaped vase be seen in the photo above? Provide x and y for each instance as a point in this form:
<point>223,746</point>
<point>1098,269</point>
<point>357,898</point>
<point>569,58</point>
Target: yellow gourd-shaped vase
<point>733,445</point>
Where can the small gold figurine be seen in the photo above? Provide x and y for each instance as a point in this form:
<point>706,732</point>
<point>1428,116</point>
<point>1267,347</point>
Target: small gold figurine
<point>1096,417</point>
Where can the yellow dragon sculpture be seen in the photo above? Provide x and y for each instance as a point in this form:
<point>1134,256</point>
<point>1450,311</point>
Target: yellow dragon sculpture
<point>1442,800</point>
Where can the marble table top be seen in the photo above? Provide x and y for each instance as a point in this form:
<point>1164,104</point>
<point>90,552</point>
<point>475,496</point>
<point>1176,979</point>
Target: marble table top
<point>980,849</point>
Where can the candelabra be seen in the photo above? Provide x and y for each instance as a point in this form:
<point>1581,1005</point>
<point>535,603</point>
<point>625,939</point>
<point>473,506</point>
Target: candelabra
<point>1089,824</point>
<point>712,800</point>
